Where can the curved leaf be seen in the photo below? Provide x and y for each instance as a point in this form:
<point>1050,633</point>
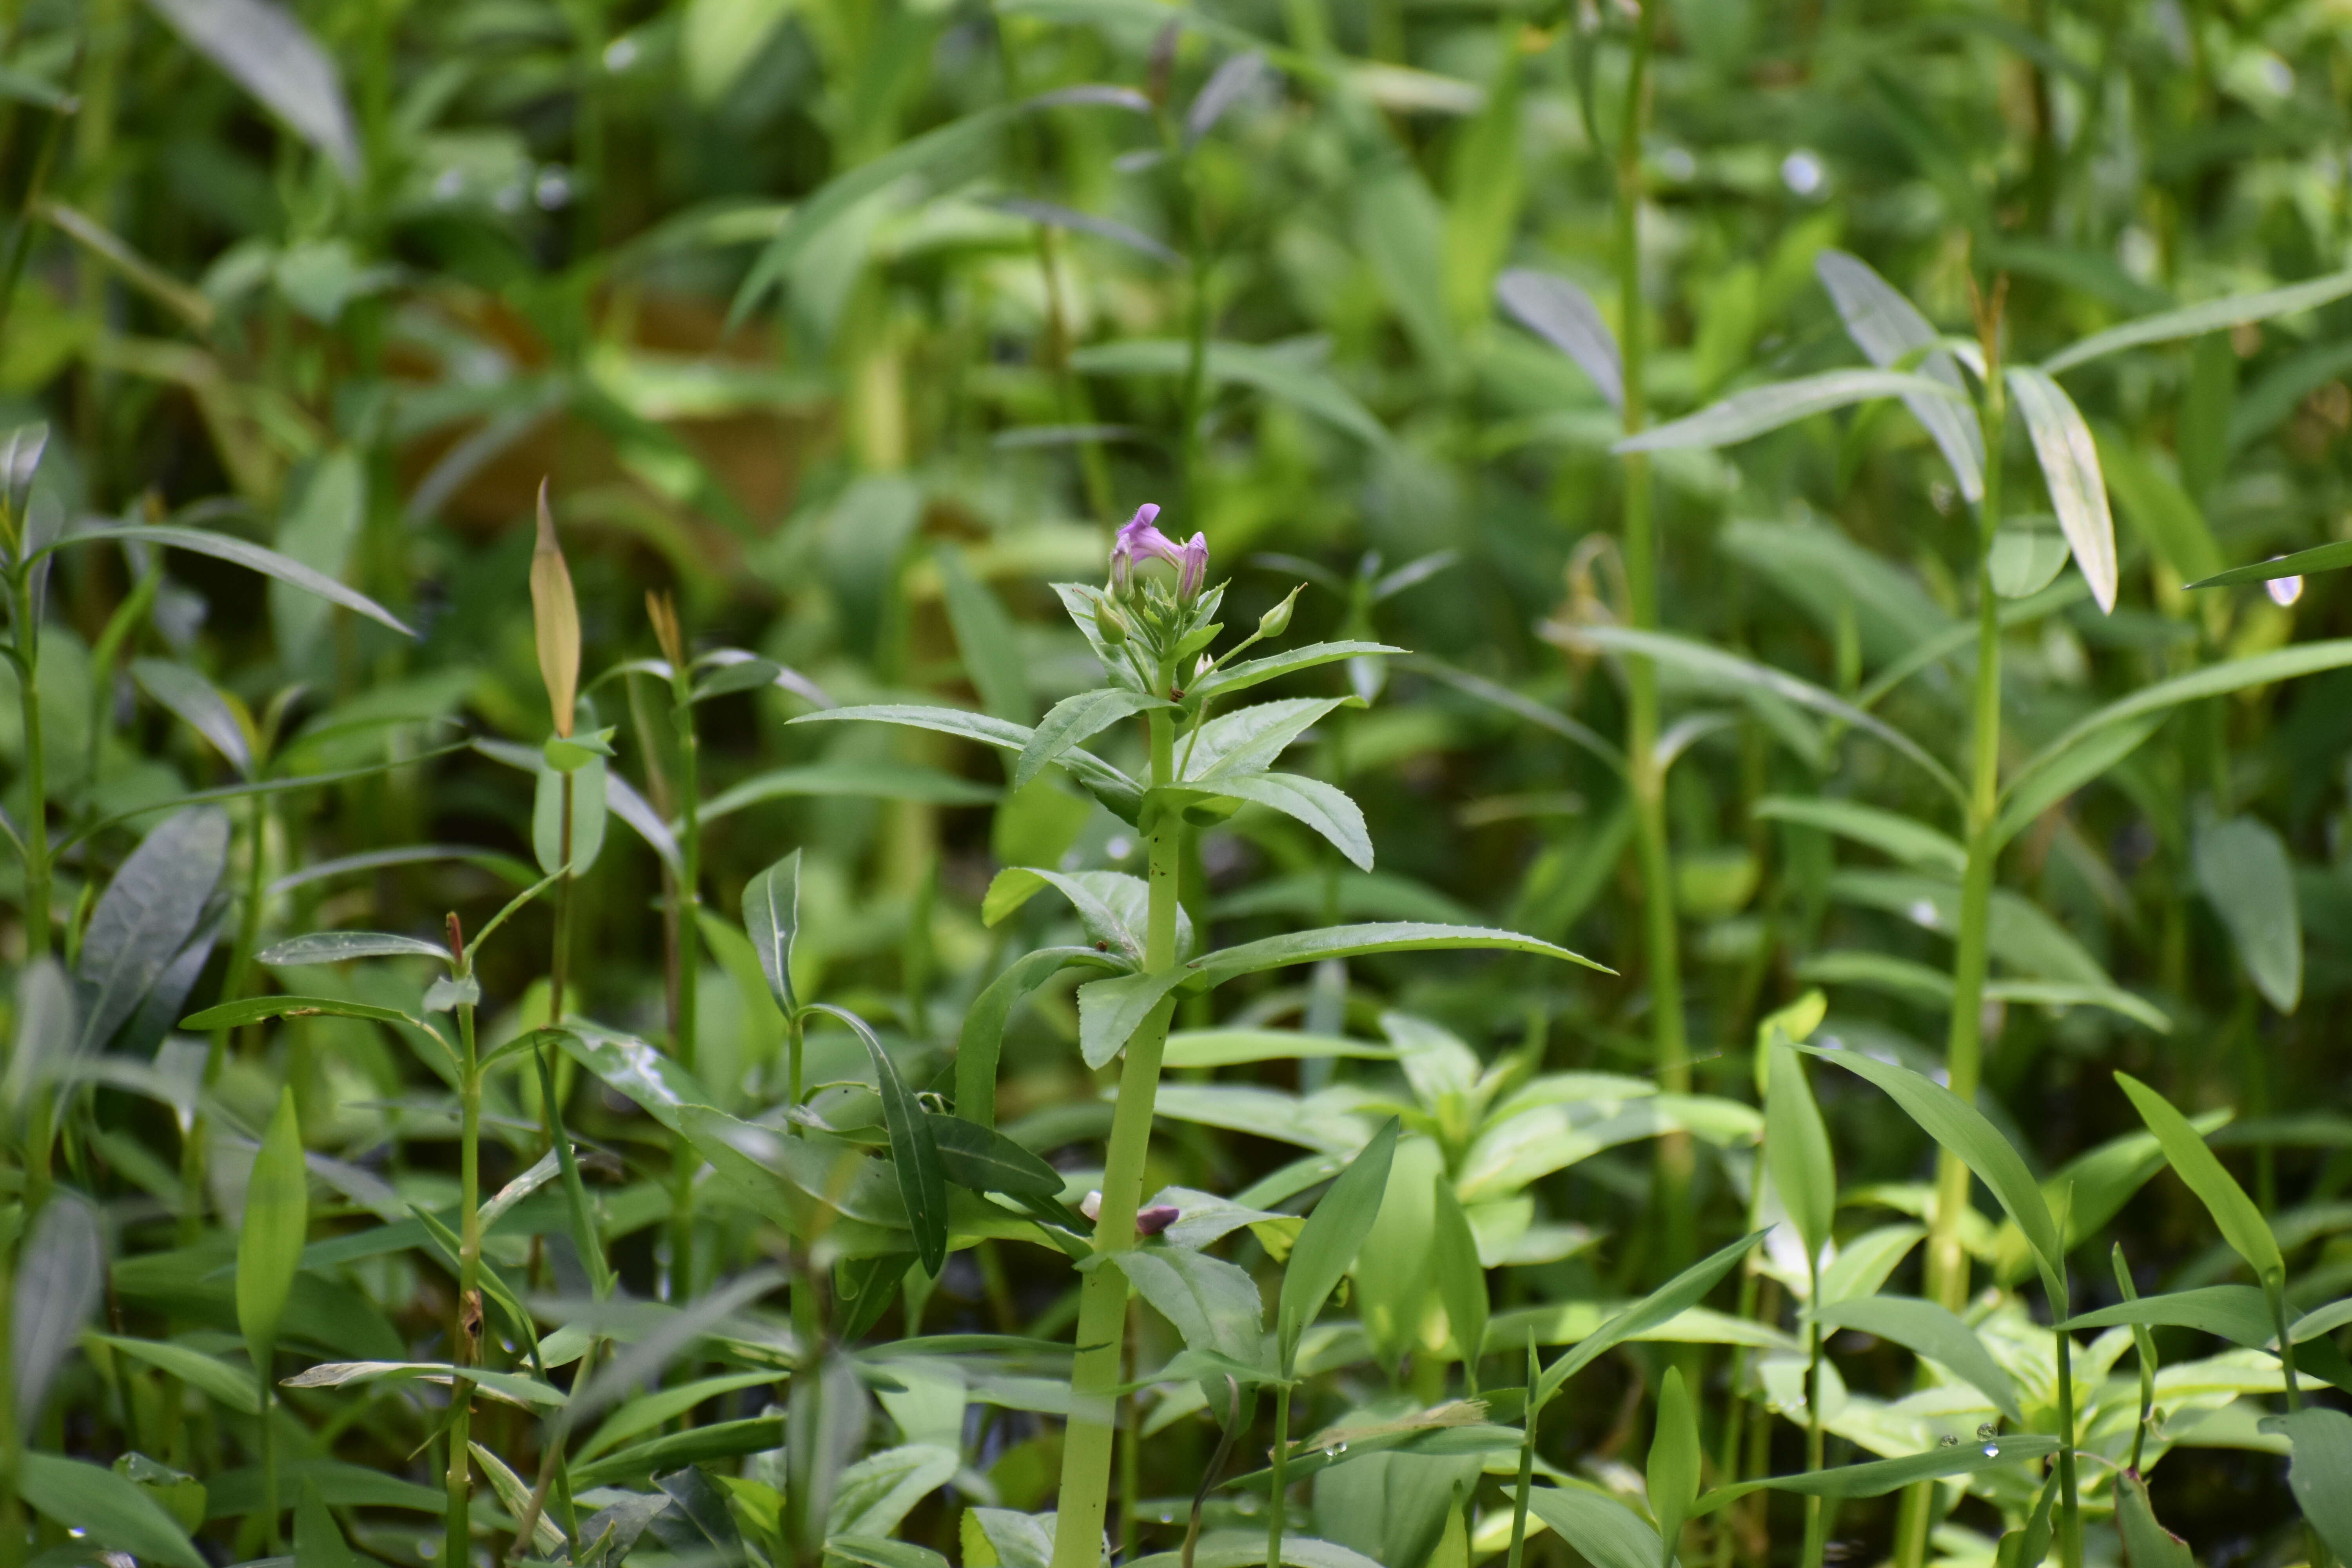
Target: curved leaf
<point>227,547</point>
<point>1931,1329</point>
<point>1746,415</point>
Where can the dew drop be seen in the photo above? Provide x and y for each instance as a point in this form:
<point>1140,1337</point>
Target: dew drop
<point>1992,1450</point>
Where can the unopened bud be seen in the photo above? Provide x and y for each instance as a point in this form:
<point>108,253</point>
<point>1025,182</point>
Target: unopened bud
<point>662,610</point>
<point>1277,621</point>
<point>555,618</point>
<point>1110,625</point>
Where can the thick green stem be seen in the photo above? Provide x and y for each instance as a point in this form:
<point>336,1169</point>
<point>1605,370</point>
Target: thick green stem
<point>37,773</point>
<point>1277,1508</point>
<point>457,1534</point>
<point>1816,1516</point>
<point>1946,1263</point>
<point>11,1439</point>
<point>2070,1507</point>
<point>1527,1461</point>
<point>561,949</point>
<point>690,959</point>
<point>1087,1442</point>
<point>1644,778</point>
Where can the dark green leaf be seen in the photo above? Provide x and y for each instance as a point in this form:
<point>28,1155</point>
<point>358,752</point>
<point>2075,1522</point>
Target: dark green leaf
<point>111,1509</point>
<point>1931,1329</point>
<point>771,915</point>
<point>2321,1473</point>
<point>2241,1222</point>
<point>269,1240</point>
<point>1328,1243</point>
<point>147,915</point>
<point>225,547</point>
<point>915,1156</point>
<point>1880,1477</point>
<point>973,1154</point>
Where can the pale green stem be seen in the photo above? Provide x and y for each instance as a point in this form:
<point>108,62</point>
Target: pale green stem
<point>1644,778</point>
<point>1526,1460</point>
<point>690,959</point>
<point>1277,1508</point>
<point>457,1533</point>
<point>2070,1506</point>
<point>37,775</point>
<point>1086,1441</point>
<point>1816,1517</point>
<point>1947,1263</point>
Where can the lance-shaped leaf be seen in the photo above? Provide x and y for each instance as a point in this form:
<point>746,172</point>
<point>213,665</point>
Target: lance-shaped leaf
<point>1674,1467</point>
<point>110,1510</point>
<point>2302,563</point>
<point>1931,1329</point>
<point>1564,316</point>
<point>2146,1543</point>
<point>2196,321</point>
<point>60,1275</point>
<point>1797,1149</point>
<point>147,915</point>
<point>1734,672</point>
<point>2042,786</point>
<point>1120,794</point>
<point>1906,839</point>
<point>198,705</point>
<point>1461,1279</point>
<point>1213,1304</point>
<point>2213,680</point>
<point>264,49</point>
<point>872,781</point>
<point>1110,1011</point>
<point>1251,672</point>
<point>1329,1241</point>
<point>337,946</point>
<point>1889,328</point>
<point>2070,467</point>
<point>982,1039</point>
<point>977,1156</point>
<point>772,917</point>
<point>1669,1301</point>
<point>2242,867</point>
<point>1747,414</point>
<point>1075,719</point>
<point>241,552</point>
<point>232,1387</point>
<point>1962,1129</point>
<point>1604,1531</point>
<point>270,1241</point>
<point>2241,1222</point>
<point>2238,1313</point>
<point>1880,1477</point>
<point>1321,806</point>
<point>913,1151</point>
<point>2321,1473</point>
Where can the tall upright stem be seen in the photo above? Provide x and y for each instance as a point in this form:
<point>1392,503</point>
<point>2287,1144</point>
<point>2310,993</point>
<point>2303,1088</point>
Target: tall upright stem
<point>2069,1508</point>
<point>1277,1512</point>
<point>689,958</point>
<point>1816,1532</point>
<point>1643,776</point>
<point>1947,1263</point>
<point>559,952</point>
<point>457,1534</point>
<point>1087,1442</point>
<point>36,774</point>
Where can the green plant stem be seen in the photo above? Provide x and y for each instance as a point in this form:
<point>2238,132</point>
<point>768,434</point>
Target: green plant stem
<point>690,959</point>
<point>1816,1517</point>
<point>457,1534</point>
<point>1278,1495</point>
<point>36,774</point>
<point>1102,1296</point>
<point>1643,776</point>
<point>1947,1262</point>
<point>1520,1489</point>
<point>2070,1507</point>
<point>562,945</point>
<point>11,1438</point>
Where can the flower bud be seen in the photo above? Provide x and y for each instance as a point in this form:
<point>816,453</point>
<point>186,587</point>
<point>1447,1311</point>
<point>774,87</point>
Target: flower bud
<point>662,610</point>
<point>1277,621</point>
<point>555,619</point>
<point>1110,625</point>
<point>1193,569</point>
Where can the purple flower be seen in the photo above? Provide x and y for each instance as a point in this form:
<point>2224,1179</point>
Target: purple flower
<point>1140,539</point>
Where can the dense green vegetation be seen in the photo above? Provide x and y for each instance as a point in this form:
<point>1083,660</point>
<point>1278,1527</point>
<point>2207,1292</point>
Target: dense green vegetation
<point>1414,782</point>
